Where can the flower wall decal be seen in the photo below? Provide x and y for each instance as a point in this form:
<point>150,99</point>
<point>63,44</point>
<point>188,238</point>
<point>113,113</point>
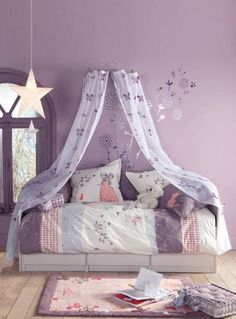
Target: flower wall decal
<point>112,101</point>
<point>177,114</point>
<point>172,92</point>
<point>183,83</point>
<point>117,144</point>
<point>105,141</point>
<point>118,141</point>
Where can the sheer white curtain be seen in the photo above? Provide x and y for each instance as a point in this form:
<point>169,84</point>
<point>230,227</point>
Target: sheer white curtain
<point>136,109</point>
<point>45,185</point>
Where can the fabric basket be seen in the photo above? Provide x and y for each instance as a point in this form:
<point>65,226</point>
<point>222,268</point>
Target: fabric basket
<point>215,301</point>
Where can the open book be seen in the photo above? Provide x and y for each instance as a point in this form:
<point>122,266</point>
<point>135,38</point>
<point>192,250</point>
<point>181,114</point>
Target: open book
<point>146,289</point>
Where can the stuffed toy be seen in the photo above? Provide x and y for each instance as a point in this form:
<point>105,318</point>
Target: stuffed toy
<point>149,198</point>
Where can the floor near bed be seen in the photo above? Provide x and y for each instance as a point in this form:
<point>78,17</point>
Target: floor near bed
<point>20,292</point>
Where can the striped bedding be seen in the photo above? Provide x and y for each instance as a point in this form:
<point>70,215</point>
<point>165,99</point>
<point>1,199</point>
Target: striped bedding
<point>119,228</point>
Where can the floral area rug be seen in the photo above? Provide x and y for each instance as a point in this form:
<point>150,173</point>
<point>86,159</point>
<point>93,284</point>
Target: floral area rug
<point>93,296</point>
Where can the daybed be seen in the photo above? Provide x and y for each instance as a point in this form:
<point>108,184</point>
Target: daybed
<point>110,237</point>
<point>41,190</point>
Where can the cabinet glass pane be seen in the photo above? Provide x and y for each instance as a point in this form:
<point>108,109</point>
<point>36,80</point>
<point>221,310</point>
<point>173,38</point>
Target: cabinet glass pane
<point>24,160</point>
<point>1,169</point>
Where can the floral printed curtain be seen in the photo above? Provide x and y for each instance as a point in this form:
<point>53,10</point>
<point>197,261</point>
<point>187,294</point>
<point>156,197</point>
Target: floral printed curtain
<point>44,186</point>
<point>136,109</point>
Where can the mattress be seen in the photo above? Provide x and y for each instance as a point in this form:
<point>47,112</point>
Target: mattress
<point>116,228</point>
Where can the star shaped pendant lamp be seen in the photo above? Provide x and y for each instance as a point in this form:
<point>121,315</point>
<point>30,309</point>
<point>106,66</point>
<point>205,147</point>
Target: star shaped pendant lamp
<point>31,132</point>
<point>31,95</point>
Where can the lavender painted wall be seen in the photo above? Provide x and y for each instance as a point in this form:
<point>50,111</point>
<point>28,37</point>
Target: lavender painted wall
<point>154,37</point>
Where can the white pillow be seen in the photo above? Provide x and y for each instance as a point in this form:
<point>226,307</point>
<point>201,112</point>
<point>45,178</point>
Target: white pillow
<point>142,180</point>
<point>97,184</point>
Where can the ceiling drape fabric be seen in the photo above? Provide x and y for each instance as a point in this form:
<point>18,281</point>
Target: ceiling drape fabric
<point>135,106</point>
<point>45,185</point>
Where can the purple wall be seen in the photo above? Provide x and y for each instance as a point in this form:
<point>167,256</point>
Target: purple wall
<point>153,37</point>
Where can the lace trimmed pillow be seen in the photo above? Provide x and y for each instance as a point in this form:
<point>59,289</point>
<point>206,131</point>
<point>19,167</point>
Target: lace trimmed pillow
<point>97,184</point>
<point>178,201</point>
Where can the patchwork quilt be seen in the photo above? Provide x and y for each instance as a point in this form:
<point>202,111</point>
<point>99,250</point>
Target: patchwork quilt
<point>116,228</point>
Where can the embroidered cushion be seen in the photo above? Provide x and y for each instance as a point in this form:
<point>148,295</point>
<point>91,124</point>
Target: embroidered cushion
<point>142,180</point>
<point>215,301</point>
<point>97,184</point>
<point>178,201</point>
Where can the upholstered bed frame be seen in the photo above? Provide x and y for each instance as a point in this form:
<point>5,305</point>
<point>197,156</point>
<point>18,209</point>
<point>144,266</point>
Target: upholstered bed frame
<point>201,263</point>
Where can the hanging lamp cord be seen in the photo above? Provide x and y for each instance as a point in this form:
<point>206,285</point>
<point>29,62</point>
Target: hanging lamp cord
<point>31,34</point>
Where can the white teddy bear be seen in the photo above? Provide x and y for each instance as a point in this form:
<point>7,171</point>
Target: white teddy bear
<point>149,198</point>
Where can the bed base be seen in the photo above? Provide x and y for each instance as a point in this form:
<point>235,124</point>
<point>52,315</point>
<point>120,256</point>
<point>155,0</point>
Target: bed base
<point>197,263</point>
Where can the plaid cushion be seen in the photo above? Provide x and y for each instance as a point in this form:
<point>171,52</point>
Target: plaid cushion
<point>56,201</point>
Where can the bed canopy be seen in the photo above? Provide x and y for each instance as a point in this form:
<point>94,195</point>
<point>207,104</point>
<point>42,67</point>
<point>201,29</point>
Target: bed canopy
<point>44,186</point>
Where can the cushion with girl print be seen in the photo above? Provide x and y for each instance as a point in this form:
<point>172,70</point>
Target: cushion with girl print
<point>97,184</point>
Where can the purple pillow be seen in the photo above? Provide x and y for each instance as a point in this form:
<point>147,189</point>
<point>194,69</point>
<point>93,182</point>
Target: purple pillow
<point>178,201</point>
<point>127,189</point>
<point>66,191</point>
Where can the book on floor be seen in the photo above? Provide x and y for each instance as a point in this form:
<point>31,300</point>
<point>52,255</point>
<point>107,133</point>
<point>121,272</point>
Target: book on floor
<point>145,290</point>
<point>132,301</point>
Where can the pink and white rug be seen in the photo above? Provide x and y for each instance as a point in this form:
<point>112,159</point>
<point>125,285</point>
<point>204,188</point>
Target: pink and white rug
<point>93,296</point>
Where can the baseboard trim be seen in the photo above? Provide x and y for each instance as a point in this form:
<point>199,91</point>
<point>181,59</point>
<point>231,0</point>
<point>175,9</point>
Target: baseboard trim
<point>3,241</point>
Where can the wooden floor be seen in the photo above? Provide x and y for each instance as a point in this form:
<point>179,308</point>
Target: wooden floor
<point>20,292</point>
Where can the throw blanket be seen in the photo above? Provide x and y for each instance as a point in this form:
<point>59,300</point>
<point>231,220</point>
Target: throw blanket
<point>119,228</point>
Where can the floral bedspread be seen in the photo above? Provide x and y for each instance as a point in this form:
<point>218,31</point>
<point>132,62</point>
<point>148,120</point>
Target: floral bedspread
<point>114,228</point>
